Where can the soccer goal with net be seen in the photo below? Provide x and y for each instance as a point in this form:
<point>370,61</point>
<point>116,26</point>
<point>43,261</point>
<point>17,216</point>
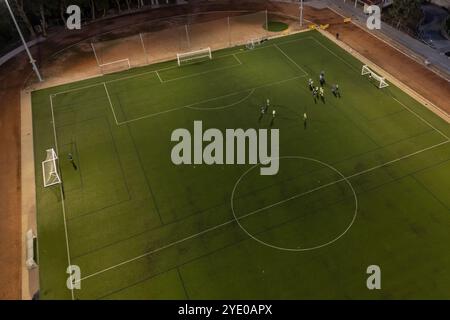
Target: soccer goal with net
<point>380,81</point>
<point>252,43</point>
<point>50,169</point>
<point>114,55</point>
<point>115,66</point>
<point>194,55</point>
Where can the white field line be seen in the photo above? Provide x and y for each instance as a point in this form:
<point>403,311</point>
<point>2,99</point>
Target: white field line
<point>334,54</point>
<point>201,73</point>
<point>425,121</point>
<point>110,103</point>
<point>225,106</point>
<point>290,59</point>
<point>191,106</point>
<point>159,77</point>
<point>259,210</point>
<point>62,194</point>
<point>237,59</point>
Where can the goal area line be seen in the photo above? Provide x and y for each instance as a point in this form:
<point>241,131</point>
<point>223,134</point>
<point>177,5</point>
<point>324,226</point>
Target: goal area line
<point>231,221</point>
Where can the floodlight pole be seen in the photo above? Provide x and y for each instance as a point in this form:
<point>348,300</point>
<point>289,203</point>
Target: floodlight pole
<point>301,13</point>
<point>267,22</point>
<point>32,61</point>
<point>187,36</point>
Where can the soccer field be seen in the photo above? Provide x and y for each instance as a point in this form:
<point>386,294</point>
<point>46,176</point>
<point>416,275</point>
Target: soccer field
<point>365,182</point>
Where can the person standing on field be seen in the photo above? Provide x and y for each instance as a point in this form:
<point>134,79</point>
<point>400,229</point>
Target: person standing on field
<point>70,158</point>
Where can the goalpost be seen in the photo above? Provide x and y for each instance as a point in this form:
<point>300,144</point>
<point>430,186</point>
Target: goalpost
<point>115,66</point>
<point>381,81</point>
<point>50,169</point>
<point>252,43</point>
<point>110,59</point>
<point>194,55</point>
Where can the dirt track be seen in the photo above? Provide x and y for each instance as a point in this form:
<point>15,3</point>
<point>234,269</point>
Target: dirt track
<point>13,76</point>
<point>10,226</point>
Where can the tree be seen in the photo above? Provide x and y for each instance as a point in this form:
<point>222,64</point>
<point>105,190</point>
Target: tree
<point>18,5</point>
<point>7,32</point>
<point>42,9</point>
<point>406,12</point>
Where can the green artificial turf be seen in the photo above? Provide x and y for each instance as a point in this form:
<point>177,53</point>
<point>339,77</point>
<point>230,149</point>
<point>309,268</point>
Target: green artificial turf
<point>141,227</point>
<point>276,26</point>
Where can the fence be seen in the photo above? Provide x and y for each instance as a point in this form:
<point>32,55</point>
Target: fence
<point>161,40</point>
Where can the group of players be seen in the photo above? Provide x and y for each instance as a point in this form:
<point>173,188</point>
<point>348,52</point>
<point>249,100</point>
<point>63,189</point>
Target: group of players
<point>317,92</point>
<point>320,91</point>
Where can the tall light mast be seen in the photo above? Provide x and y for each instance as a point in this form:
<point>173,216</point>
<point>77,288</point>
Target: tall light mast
<point>32,61</point>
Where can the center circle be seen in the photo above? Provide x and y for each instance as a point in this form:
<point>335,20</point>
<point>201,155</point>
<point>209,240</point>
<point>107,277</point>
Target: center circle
<point>256,213</point>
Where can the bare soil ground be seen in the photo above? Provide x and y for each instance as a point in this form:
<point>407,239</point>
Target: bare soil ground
<point>16,74</point>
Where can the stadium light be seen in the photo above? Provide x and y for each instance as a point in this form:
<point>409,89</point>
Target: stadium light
<point>32,61</point>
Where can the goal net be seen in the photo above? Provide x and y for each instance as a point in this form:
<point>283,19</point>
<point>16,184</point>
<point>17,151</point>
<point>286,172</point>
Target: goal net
<point>119,54</point>
<point>379,80</point>
<point>50,169</point>
<point>252,43</point>
<point>194,55</point>
<point>243,28</point>
<point>115,66</point>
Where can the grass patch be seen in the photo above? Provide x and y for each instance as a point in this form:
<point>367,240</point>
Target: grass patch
<point>277,26</point>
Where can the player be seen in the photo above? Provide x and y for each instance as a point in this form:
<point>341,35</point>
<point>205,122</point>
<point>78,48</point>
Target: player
<point>322,78</point>
<point>338,92</point>
<point>335,90</point>
<point>314,93</point>
<point>311,84</point>
<point>263,110</point>
<point>305,119</point>
<point>70,158</point>
<point>322,94</point>
<point>274,114</point>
